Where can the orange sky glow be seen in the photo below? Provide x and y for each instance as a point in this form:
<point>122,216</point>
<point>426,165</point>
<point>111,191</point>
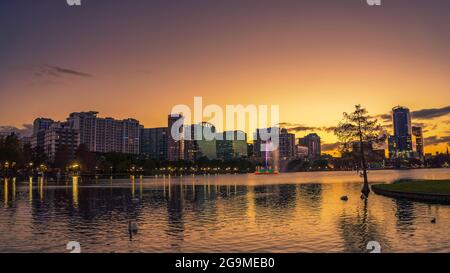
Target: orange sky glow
<point>316,59</point>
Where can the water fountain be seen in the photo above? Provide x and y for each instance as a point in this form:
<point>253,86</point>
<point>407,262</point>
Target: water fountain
<point>271,160</point>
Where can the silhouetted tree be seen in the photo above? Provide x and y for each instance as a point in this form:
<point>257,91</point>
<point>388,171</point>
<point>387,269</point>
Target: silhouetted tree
<point>63,157</point>
<point>86,158</point>
<point>359,127</point>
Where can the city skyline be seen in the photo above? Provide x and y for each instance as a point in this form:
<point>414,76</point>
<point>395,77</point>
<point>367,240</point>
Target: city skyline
<point>299,131</point>
<point>316,59</point>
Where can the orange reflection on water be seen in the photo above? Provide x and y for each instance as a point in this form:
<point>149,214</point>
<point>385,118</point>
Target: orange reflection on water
<point>5,191</point>
<point>75,191</point>
<point>30,190</point>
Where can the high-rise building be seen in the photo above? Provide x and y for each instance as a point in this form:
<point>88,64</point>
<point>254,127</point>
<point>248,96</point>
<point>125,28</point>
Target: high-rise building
<point>175,144</point>
<point>286,145</point>
<point>401,118</point>
<point>85,124</point>
<point>60,142</point>
<point>250,150</point>
<point>259,145</point>
<point>191,150</point>
<point>392,146</point>
<point>285,142</point>
<point>232,144</point>
<point>154,143</point>
<point>418,140</point>
<point>224,147</point>
<point>40,125</point>
<point>130,136</point>
<point>301,151</point>
<point>106,134</point>
<point>312,142</point>
<point>201,141</point>
<point>239,144</point>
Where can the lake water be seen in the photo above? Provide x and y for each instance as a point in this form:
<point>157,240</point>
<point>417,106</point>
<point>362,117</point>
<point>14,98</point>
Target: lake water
<point>300,212</point>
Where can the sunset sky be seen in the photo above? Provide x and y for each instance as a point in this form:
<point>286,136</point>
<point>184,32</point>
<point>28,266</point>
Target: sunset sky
<point>314,58</point>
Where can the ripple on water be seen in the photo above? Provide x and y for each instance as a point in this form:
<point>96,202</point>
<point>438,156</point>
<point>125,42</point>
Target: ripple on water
<point>299,212</point>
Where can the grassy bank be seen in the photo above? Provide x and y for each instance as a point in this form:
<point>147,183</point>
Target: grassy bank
<point>434,191</point>
<point>418,186</point>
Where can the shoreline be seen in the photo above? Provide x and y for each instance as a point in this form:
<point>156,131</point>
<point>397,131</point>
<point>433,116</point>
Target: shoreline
<point>430,191</point>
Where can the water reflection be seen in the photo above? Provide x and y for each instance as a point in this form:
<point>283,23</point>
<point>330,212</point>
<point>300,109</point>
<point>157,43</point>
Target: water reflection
<point>30,190</point>
<point>41,188</point>
<point>75,191</point>
<point>359,228</point>
<point>405,216</point>
<point>217,213</point>
<point>6,194</point>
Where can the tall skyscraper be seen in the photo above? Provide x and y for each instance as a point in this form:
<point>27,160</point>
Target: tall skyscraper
<point>85,124</point>
<point>312,142</point>
<point>154,143</point>
<point>418,140</point>
<point>106,134</point>
<point>401,118</point>
<point>175,144</point>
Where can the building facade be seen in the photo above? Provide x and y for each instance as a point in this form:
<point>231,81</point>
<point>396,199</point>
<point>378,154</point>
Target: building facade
<point>105,135</point>
<point>286,145</point>
<point>154,143</point>
<point>312,142</point>
<point>61,143</point>
<point>40,125</point>
<point>418,144</point>
<point>175,144</point>
<point>401,118</point>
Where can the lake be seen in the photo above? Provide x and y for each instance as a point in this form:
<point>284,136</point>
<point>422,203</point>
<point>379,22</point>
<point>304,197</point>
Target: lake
<point>290,212</point>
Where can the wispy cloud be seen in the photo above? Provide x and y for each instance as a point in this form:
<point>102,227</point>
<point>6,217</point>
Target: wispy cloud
<point>330,146</point>
<point>431,113</point>
<point>296,127</point>
<point>424,114</point>
<point>57,71</point>
<point>435,140</point>
<point>384,117</point>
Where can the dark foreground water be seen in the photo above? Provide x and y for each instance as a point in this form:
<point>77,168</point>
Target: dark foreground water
<point>299,212</point>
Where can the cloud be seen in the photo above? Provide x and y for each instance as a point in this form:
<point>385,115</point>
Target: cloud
<point>328,129</point>
<point>435,140</point>
<point>424,114</point>
<point>431,113</point>
<point>419,124</point>
<point>330,146</point>
<point>295,127</point>
<point>302,128</point>
<point>384,117</point>
<point>57,71</point>
<point>26,130</point>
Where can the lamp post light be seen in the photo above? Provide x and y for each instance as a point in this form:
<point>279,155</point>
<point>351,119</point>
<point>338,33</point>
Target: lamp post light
<point>7,168</point>
<point>31,168</point>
